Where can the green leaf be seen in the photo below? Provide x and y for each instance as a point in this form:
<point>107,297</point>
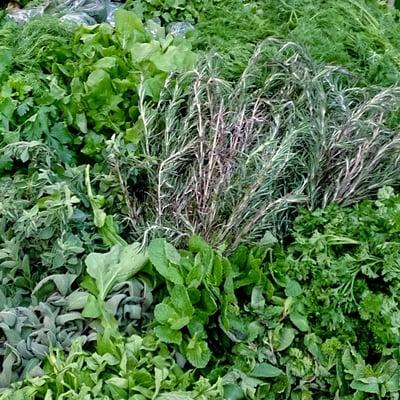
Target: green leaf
<point>174,396</point>
<point>109,234</point>
<point>196,273</point>
<point>233,392</point>
<point>128,26</point>
<point>165,314</point>
<point>388,369</point>
<point>168,335</point>
<point>99,88</point>
<point>180,323</point>
<point>143,51</point>
<point>181,301</point>
<point>76,300</point>
<point>198,353</point>
<point>285,337</point>
<point>257,298</point>
<point>106,63</point>
<point>265,370</point>
<point>177,59</point>
<point>393,384</point>
<point>293,289</point>
<point>199,245</point>
<point>60,282</point>
<point>135,133</point>
<point>160,254</point>
<point>118,265</point>
<point>92,308</point>
<point>296,315</point>
<point>172,254</point>
<point>81,122</point>
<point>372,387</point>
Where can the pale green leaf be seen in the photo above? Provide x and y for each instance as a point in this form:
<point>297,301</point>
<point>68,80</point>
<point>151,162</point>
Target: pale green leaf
<point>116,266</point>
<point>168,335</point>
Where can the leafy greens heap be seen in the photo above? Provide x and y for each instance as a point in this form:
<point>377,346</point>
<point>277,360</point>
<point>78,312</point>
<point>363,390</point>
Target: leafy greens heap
<point>318,318</point>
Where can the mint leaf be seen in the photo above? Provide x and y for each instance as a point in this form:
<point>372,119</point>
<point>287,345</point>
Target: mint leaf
<point>198,353</point>
<point>168,335</point>
<point>165,314</point>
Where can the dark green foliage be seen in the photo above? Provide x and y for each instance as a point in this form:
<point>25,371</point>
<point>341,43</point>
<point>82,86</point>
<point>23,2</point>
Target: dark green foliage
<point>77,97</point>
<point>170,10</point>
<point>361,34</point>
<point>318,318</point>
<point>106,137</point>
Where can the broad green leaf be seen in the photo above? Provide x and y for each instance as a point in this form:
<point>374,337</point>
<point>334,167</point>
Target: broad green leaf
<point>106,63</point>
<point>129,28</point>
<point>116,266</point>
<point>81,122</point>
<point>265,370</point>
<point>372,387</point>
<point>233,392</point>
<point>61,282</point>
<point>77,300</point>
<point>297,315</point>
<point>181,301</point>
<point>196,273</point>
<point>180,323</point>
<point>257,298</point>
<point>143,51</point>
<point>299,320</point>
<point>154,85</point>
<point>284,337</point>
<point>293,289</point>
<point>127,21</point>
<point>99,80</point>
<point>118,381</point>
<point>174,396</point>
<point>388,369</point>
<point>198,245</point>
<point>160,253</point>
<point>168,335</point>
<point>165,314</point>
<point>99,89</point>
<point>177,59</point>
<point>109,234</point>
<point>198,353</point>
<point>135,133</point>
<point>172,254</point>
<point>216,275</point>
<point>92,308</point>
<point>393,384</point>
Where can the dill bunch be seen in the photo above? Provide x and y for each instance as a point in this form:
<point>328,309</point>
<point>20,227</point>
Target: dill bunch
<point>362,35</point>
<point>37,43</point>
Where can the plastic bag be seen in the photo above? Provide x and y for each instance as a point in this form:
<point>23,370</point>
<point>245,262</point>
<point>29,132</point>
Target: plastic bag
<point>179,28</point>
<point>87,12</point>
<point>23,15</point>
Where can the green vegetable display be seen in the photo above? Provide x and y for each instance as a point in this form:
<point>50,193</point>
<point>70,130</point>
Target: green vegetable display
<point>199,200</point>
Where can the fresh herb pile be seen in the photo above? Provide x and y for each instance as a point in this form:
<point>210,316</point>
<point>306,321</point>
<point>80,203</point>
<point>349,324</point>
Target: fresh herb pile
<point>209,215</point>
<point>360,34</point>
